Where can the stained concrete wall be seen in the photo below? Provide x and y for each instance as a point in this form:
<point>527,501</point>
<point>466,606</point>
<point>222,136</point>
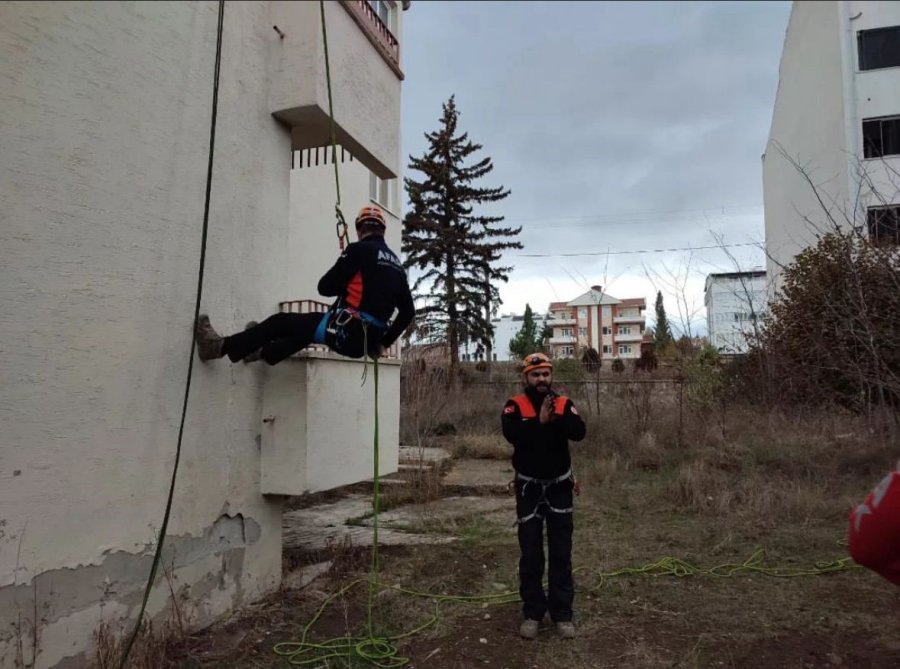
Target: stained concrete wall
<point>105,125</point>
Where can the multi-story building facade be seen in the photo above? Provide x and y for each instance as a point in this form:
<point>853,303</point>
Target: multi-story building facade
<point>837,118</point>
<point>613,327</point>
<point>735,305</point>
<point>106,129</point>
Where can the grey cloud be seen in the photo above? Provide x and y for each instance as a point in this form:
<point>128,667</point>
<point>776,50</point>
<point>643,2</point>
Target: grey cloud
<point>596,108</point>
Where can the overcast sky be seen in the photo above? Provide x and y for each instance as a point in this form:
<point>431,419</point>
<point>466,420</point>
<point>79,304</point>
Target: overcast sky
<point>617,127</point>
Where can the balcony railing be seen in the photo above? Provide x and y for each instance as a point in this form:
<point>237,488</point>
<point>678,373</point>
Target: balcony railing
<point>632,337</point>
<point>569,339</point>
<point>562,320</point>
<point>374,29</point>
<point>637,318</point>
<point>316,307</point>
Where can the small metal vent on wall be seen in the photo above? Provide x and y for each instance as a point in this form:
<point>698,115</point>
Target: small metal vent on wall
<point>317,157</point>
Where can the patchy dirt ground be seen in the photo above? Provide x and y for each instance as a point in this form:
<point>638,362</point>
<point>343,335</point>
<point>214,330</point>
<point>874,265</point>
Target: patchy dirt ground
<point>846,619</point>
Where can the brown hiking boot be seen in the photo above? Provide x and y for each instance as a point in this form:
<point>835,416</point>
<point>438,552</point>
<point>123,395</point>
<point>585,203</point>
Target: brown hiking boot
<point>257,354</point>
<point>529,629</point>
<point>209,342</point>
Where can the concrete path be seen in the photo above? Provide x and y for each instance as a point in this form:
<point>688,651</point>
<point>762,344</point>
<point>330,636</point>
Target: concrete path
<point>317,527</point>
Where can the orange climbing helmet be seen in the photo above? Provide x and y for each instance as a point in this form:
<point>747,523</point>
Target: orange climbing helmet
<point>535,361</point>
<point>370,214</point>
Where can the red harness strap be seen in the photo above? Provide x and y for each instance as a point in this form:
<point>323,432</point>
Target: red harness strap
<point>874,536</point>
<point>527,409</point>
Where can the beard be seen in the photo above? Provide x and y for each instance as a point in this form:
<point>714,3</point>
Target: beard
<point>541,388</point>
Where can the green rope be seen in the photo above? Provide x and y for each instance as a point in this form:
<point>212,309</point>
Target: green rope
<point>341,225</point>
<point>160,542</point>
<point>383,652</point>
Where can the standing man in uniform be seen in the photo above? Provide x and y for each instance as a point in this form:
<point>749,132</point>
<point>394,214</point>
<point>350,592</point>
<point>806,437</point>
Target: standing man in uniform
<point>369,282</point>
<point>539,424</point>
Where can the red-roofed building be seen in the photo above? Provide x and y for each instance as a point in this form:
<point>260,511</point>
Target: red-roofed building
<point>612,327</point>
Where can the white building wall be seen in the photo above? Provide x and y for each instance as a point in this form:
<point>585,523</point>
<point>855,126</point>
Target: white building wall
<point>821,102</point>
<point>505,329</point>
<point>730,304</point>
<point>808,123</point>
<point>875,93</point>
<point>106,115</point>
<point>313,240</point>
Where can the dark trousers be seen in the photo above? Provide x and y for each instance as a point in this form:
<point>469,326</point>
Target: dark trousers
<point>283,334</point>
<point>561,587</point>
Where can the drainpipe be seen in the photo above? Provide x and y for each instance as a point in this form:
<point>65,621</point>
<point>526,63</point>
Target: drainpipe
<point>852,127</point>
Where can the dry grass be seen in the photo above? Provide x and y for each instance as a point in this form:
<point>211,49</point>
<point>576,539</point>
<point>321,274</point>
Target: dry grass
<point>709,488</point>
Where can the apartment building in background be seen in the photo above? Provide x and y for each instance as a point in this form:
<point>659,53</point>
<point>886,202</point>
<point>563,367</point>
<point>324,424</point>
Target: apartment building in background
<point>506,327</point>
<point>106,126</point>
<point>613,327</point>
<point>836,114</point>
<point>735,306</point>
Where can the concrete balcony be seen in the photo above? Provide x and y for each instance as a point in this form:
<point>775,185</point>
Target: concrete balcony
<point>308,444</point>
<point>365,81</point>
<point>629,319</point>
<point>570,339</point>
<point>629,338</point>
<point>561,321</point>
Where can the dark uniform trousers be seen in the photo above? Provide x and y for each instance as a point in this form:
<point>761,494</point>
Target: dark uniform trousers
<point>561,588</point>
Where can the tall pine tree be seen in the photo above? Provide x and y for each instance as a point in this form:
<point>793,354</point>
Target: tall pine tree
<point>455,248</point>
<point>662,331</point>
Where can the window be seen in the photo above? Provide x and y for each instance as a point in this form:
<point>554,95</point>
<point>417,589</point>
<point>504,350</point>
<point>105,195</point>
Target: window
<point>582,312</point>
<point>567,332</point>
<point>881,137</point>
<point>384,11</point>
<point>607,330</point>
<point>884,225</point>
<point>624,330</point>
<point>582,332</point>
<point>381,191</point>
<point>607,349</point>
<point>879,48</point>
<point>624,349</point>
<point>568,350</point>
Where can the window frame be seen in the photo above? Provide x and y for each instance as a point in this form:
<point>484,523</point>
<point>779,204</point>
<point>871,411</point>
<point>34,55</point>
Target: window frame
<point>862,61</point>
<point>880,120</point>
<point>871,225</point>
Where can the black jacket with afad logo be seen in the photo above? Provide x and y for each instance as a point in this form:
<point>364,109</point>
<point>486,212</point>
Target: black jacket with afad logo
<point>370,277</point>
<point>541,451</point>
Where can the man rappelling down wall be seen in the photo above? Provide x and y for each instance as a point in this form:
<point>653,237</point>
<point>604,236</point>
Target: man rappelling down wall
<point>369,283</point>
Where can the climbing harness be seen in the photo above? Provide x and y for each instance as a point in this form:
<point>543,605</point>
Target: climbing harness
<point>542,501</point>
<point>340,225</point>
<point>335,322</point>
<point>187,387</point>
